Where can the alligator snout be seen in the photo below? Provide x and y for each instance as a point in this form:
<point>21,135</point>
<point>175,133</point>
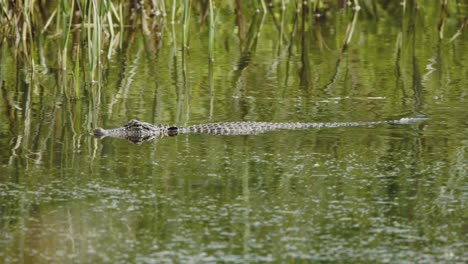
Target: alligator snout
<point>99,132</point>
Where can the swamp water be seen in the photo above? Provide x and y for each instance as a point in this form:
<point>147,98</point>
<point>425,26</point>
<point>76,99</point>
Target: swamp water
<point>390,193</point>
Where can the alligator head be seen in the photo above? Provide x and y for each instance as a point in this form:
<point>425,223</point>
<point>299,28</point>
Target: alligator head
<point>136,131</point>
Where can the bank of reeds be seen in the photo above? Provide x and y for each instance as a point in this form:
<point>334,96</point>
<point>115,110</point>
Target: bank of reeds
<point>90,30</point>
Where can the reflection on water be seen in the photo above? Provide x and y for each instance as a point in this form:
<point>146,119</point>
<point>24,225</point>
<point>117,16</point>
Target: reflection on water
<point>353,194</point>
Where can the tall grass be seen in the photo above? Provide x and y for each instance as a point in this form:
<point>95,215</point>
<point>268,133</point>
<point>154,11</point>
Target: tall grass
<point>97,28</point>
<point>211,29</point>
<point>185,23</point>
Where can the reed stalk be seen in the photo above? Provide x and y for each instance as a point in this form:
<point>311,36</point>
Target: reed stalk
<point>460,29</point>
<point>185,24</point>
<point>264,8</point>
<point>94,37</point>
<point>66,25</point>
<point>211,85</point>
<point>211,28</point>
<point>443,14</point>
<point>350,29</point>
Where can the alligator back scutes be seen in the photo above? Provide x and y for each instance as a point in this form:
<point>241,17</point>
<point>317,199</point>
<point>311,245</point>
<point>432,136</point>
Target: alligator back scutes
<point>243,128</point>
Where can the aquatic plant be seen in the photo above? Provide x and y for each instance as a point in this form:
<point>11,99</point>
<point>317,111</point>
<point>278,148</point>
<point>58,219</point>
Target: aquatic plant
<point>99,28</point>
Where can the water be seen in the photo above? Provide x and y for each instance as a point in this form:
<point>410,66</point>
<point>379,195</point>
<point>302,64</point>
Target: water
<point>390,193</point>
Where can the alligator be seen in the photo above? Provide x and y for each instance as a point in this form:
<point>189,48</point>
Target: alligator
<point>137,131</point>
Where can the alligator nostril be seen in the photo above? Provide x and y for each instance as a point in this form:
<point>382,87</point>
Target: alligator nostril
<point>99,132</point>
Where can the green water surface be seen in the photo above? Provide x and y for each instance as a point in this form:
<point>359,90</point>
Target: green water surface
<point>379,194</point>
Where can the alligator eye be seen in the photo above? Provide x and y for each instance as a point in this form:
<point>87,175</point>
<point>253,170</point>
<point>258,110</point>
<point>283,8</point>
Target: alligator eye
<point>133,123</point>
<point>172,131</point>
